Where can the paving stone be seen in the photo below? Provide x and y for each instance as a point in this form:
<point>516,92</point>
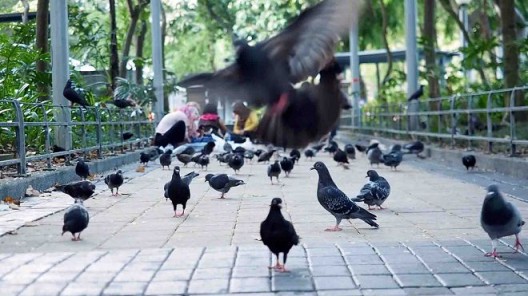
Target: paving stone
<point>211,273</point>
<point>502,277</point>
<point>355,292</point>
<point>43,289</point>
<point>291,283</point>
<point>334,283</point>
<point>134,276</point>
<point>427,291</point>
<point>324,261</point>
<point>125,288</point>
<point>418,280</point>
<point>166,288</point>
<point>408,268</point>
<point>338,270</point>
<point>502,288</point>
<point>250,284</point>
<point>10,289</point>
<point>370,270</point>
<point>21,278</point>
<point>487,266</point>
<point>323,252</point>
<point>250,271</point>
<point>474,291</point>
<point>173,275</point>
<point>96,277</point>
<point>57,277</point>
<point>363,259</point>
<point>442,267</point>
<point>383,292</point>
<point>84,288</point>
<point>376,282</point>
<point>209,286</point>
<point>460,279</point>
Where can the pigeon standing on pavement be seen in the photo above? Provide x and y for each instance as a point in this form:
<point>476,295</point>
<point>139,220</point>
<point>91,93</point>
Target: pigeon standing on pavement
<point>144,158</point>
<point>274,170</point>
<point>184,158</point>
<point>236,162</point>
<point>77,190</point>
<point>82,170</point>
<point>416,147</point>
<point>203,161</point>
<point>287,165</point>
<point>222,182</point>
<point>332,147</point>
<point>394,157</point>
<point>374,154</point>
<point>350,151</point>
<point>375,192</point>
<point>361,148</point>
<point>295,154</point>
<point>114,181</point>
<point>337,202</point>
<point>76,220</point>
<point>309,153</point>
<point>500,218</point>
<point>341,158</point>
<point>278,234</point>
<point>469,161</point>
<point>266,156</point>
<point>177,191</point>
<point>73,96</point>
<point>208,148</point>
<point>166,159</point>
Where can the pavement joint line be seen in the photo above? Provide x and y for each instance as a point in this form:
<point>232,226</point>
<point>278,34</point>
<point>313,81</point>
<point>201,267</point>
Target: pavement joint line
<point>230,277</point>
<point>119,271</point>
<point>310,266</point>
<point>194,271</point>
<point>24,263</point>
<point>83,270</point>
<point>438,278</point>
<point>382,258</point>
<point>157,270</point>
<point>348,266</point>
<point>464,263</point>
<point>44,272</point>
<point>512,247</point>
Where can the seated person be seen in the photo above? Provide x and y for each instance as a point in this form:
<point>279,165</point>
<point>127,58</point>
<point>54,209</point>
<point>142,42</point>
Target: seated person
<point>246,121</point>
<point>210,121</point>
<point>177,127</point>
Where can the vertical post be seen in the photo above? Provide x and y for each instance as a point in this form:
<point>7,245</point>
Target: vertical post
<point>354,67</point>
<point>463,16</point>
<point>411,57</point>
<point>157,64</point>
<point>20,140</point>
<point>59,69</point>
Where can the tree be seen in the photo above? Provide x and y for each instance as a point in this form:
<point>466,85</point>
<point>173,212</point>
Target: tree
<point>135,11</point>
<point>429,42</point>
<point>41,44</point>
<point>114,56</point>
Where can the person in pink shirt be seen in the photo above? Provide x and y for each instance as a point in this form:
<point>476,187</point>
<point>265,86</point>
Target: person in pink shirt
<point>178,126</point>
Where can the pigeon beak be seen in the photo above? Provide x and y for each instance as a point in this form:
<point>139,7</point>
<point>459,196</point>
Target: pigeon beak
<point>366,176</point>
<point>312,168</point>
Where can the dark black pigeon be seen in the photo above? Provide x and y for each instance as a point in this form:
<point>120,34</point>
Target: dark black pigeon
<point>73,96</point>
<point>318,147</point>
<point>374,154</point>
<point>278,234</point>
<point>266,156</point>
<point>350,151</point>
<point>417,94</point>
<point>361,148</point>
<point>240,150</point>
<point>203,161</point>
<point>56,149</point>
<point>177,191</point>
<point>500,218</point>
<point>123,103</point>
<point>127,136</point>
<point>258,152</point>
<point>166,159</point>
<point>337,202</point>
<point>76,220</point>
<point>77,190</point>
<point>189,150</point>
<point>222,182</point>
<point>287,165</point>
<point>309,153</point>
<point>469,161</point>
<point>144,158</point>
<point>236,162</point>
<point>416,147</point>
<point>375,192</point>
<point>394,157</point>
<point>208,148</point>
<point>265,72</point>
<point>114,181</point>
<point>274,170</point>
<point>295,154</point>
<point>332,147</point>
<point>184,158</point>
<point>341,158</point>
<point>82,170</point>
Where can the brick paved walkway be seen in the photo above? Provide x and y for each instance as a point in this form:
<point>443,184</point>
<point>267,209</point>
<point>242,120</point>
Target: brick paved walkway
<point>429,240</point>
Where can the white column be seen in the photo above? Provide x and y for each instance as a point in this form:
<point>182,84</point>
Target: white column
<point>157,65</point>
<point>355,82</point>
<point>411,58</point>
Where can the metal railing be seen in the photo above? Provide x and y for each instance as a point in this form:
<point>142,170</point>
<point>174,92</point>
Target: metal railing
<point>488,117</point>
<point>28,132</point>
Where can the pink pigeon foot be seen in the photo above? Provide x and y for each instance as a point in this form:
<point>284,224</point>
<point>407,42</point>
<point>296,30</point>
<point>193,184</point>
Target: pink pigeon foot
<point>335,228</point>
<point>493,254</point>
<point>518,244</point>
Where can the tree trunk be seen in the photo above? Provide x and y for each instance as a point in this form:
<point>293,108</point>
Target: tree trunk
<point>429,36</point>
<point>511,52</point>
<point>114,56</point>
<point>384,29</point>
<point>25,4</point>
<point>41,44</point>
<point>135,12</point>
<point>139,52</point>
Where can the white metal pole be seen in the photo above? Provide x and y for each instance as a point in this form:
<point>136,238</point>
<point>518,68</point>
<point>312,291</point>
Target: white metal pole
<point>157,65</point>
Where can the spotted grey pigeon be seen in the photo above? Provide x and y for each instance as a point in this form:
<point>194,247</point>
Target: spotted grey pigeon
<point>77,190</point>
<point>394,157</point>
<point>375,192</point>
<point>278,234</point>
<point>222,182</point>
<point>114,181</point>
<point>374,154</point>
<point>76,219</point>
<point>177,191</point>
<point>500,218</point>
<point>337,202</point>
<point>469,161</point>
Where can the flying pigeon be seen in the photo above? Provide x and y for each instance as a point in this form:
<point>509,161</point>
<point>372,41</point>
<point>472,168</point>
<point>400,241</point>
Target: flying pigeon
<point>76,220</point>
<point>177,191</point>
<point>375,192</point>
<point>295,154</point>
<point>374,154</point>
<point>82,170</point>
<point>278,234</point>
<point>469,161</point>
<point>77,190</point>
<point>500,218</point>
<point>287,165</point>
<point>337,202</point>
<point>274,170</point>
<point>341,158</point>
<point>73,96</point>
<point>236,162</point>
<point>222,182</point>
<point>417,94</point>
<point>394,157</point>
<point>265,72</point>
<point>166,159</point>
<point>114,181</point>
<point>350,151</point>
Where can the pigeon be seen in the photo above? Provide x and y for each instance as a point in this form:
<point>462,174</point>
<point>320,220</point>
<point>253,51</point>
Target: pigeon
<point>266,156</point>
<point>278,234</point>
<point>239,150</point>
<point>318,147</point>
<point>154,154</point>
<point>469,161</point>
<point>341,158</point>
<point>189,150</point>
<point>236,162</point>
<point>77,190</point>
<point>309,153</point>
<point>228,147</point>
<point>295,154</point>
<point>208,148</point>
<point>203,161</point>
<point>82,170</point>
<point>417,94</point>
<point>224,157</point>
<point>56,148</point>
<point>184,158</point>
<point>187,179</point>
<point>361,148</point>
<point>177,191</point>
<point>337,202</point>
<point>274,170</point>
<point>127,136</point>
<point>350,151</point>
<point>222,182</point>
<point>500,218</point>
<point>249,154</point>
<point>76,220</point>
<point>332,147</point>
<point>166,159</point>
<point>73,96</point>
<point>375,192</point>
<point>114,181</point>
<point>394,157</point>
<point>123,103</point>
<point>374,154</point>
<point>416,147</point>
<point>144,158</point>
<point>259,152</point>
<point>287,165</point>
<point>265,72</point>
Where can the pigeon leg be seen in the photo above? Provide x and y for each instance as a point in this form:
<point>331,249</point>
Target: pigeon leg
<point>493,252</point>
<point>276,266</point>
<point>112,190</point>
<point>78,236</point>
<point>283,266</point>
<point>336,227</point>
<point>518,244</point>
<point>370,208</point>
<point>175,211</point>
<point>222,196</point>
<point>380,207</point>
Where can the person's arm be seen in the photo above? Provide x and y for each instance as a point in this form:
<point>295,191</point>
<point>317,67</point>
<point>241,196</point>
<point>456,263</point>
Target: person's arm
<point>251,122</point>
<point>236,129</point>
<point>222,126</point>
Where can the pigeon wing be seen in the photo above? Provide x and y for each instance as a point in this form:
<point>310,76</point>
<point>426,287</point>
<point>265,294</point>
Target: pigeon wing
<point>336,201</point>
